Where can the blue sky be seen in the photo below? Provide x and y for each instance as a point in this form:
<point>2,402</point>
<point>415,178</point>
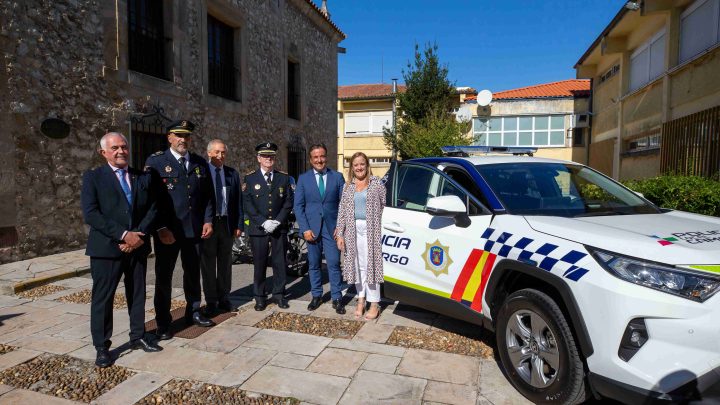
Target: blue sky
<point>487,44</point>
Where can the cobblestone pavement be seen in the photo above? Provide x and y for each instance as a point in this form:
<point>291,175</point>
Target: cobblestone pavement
<point>254,357</point>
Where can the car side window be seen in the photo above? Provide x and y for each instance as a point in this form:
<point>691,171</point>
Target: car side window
<point>450,189</point>
<point>415,185</point>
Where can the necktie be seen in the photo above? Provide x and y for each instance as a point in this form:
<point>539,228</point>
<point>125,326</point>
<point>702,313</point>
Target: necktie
<point>183,169</point>
<point>268,178</point>
<point>125,186</point>
<point>218,191</point>
<point>321,185</point>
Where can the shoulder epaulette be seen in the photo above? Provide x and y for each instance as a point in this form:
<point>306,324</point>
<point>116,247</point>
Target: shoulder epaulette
<point>281,172</point>
<point>158,153</point>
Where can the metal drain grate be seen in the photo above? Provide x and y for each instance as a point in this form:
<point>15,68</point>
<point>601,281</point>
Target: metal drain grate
<point>180,329</point>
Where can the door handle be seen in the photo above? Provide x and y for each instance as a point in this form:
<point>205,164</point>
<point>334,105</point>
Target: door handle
<point>393,227</point>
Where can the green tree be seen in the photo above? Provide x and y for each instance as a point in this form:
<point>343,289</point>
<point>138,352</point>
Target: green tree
<point>425,121</point>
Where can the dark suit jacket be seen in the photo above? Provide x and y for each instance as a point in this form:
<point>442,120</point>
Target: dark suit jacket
<point>106,210</point>
<point>263,202</point>
<point>235,212</point>
<point>311,211</point>
<point>185,203</point>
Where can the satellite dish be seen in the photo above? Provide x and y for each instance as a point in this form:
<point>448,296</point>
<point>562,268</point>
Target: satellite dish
<point>484,98</point>
<point>463,114</point>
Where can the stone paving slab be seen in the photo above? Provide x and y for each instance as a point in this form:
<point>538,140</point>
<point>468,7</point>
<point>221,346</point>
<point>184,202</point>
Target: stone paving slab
<point>290,360</point>
<point>223,339</point>
<point>455,394</point>
<point>21,396</point>
<point>249,318</point>
<point>289,342</point>
<point>306,386</point>
<point>446,367</point>
<point>369,347</point>
<point>133,389</point>
<point>245,362</point>
<point>495,387</point>
<point>381,363</point>
<point>48,344</point>
<point>40,303</point>
<point>414,319</point>
<point>369,387</point>
<point>339,362</point>
<point>5,388</point>
<point>16,357</point>
<point>177,362</point>
<point>374,332</point>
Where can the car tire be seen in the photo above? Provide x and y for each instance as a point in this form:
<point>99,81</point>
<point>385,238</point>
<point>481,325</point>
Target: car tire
<point>538,351</point>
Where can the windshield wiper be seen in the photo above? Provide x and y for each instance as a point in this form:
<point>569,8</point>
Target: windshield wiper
<point>600,214</point>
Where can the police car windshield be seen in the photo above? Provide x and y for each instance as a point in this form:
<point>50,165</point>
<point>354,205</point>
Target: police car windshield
<point>558,189</point>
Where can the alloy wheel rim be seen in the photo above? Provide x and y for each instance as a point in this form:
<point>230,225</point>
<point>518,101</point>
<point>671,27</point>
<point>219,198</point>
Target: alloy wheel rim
<point>532,348</point>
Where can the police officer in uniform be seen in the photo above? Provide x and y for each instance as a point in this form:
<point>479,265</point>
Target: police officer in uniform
<point>186,211</point>
<point>268,200</point>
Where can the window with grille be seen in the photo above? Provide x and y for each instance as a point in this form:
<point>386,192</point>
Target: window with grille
<point>146,38</point>
<point>222,73</point>
<point>293,90</point>
<point>539,130</point>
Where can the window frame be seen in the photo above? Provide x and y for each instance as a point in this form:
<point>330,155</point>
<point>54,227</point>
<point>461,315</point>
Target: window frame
<point>517,132</point>
<point>716,27</point>
<point>137,43</point>
<point>647,46</point>
<point>231,54</point>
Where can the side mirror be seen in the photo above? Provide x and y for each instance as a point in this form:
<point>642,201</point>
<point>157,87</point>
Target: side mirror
<point>449,206</point>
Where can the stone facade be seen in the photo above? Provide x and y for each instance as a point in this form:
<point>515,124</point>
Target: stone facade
<point>69,59</point>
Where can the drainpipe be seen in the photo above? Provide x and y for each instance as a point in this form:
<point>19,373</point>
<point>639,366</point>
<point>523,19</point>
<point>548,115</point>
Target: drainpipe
<point>394,118</point>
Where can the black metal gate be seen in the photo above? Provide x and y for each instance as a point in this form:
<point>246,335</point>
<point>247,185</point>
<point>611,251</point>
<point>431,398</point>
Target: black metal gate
<point>147,135</point>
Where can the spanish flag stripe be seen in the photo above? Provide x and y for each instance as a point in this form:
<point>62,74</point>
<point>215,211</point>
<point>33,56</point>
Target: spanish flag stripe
<point>465,274</point>
<point>474,282</point>
<point>477,301</point>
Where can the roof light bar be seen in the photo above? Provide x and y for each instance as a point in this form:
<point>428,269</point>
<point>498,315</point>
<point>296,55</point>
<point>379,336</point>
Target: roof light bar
<point>465,151</point>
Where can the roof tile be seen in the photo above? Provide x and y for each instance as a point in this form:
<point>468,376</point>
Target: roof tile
<point>563,88</point>
<point>366,91</point>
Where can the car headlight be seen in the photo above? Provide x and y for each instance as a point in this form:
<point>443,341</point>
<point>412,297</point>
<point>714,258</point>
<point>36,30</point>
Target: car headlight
<point>672,280</point>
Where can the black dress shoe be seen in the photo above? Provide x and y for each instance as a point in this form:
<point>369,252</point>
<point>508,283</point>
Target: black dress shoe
<point>163,334</point>
<point>260,305</point>
<point>145,345</point>
<point>103,358</point>
<point>199,320</point>
<point>314,303</point>
<point>211,309</point>
<point>281,303</point>
<point>227,306</point>
<point>338,307</point>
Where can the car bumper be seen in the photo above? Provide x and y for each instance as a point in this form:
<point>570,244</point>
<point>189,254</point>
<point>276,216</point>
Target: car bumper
<point>704,388</point>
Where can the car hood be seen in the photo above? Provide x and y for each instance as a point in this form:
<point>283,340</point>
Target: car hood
<point>675,237</point>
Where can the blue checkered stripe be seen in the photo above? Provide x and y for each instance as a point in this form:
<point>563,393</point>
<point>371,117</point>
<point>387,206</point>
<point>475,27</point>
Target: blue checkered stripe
<point>546,256</point>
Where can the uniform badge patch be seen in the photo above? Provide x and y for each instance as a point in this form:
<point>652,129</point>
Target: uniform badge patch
<point>257,187</point>
<point>168,169</point>
<point>437,258</point>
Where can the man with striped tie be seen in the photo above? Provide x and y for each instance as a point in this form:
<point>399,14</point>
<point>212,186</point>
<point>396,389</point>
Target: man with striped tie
<point>119,205</point>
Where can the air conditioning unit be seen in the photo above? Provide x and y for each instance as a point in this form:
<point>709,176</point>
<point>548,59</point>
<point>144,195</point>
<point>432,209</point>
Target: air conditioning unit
<point>580,120</point>
<point>483,111</point>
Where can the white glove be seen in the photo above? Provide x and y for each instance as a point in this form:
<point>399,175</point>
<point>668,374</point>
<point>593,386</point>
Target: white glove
<point>268,226</point>
<point>273,225</point>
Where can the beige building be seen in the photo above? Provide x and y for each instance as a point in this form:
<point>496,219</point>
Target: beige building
<point>551,117</point>
<point>245,71</point>
<point>364,110</point>
<point>656,89</point>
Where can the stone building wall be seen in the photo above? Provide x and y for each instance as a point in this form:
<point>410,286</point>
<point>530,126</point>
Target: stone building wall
<point>68,59</point>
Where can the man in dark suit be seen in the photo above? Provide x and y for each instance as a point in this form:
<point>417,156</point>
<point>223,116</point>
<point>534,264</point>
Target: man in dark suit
<point>228,223</point>
<point>119,204</point>
<point>186,207</point>
<point>268,199</point>
<point>317,198</point>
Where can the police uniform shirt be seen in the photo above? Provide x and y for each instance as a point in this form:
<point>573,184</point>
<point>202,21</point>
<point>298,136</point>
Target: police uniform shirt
<point>178,156</point>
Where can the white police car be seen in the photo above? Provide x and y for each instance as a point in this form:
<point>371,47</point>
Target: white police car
<point>591,289</point>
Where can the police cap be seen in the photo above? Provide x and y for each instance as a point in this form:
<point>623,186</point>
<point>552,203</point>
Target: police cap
<point>181,128</point>
<point>266,148</point>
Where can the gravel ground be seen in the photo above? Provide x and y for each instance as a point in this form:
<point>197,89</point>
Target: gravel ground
<point>41,291</point>
<point>441,341</point>
<point>64,377</point>
<point>6,349</point>
<point>84,297</point>
<point>312,325</point>
<point>174,304</point>
<point>196,393</point>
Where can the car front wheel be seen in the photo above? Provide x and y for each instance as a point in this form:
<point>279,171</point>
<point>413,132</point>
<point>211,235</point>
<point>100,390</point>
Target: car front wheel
<point>537,349</point>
